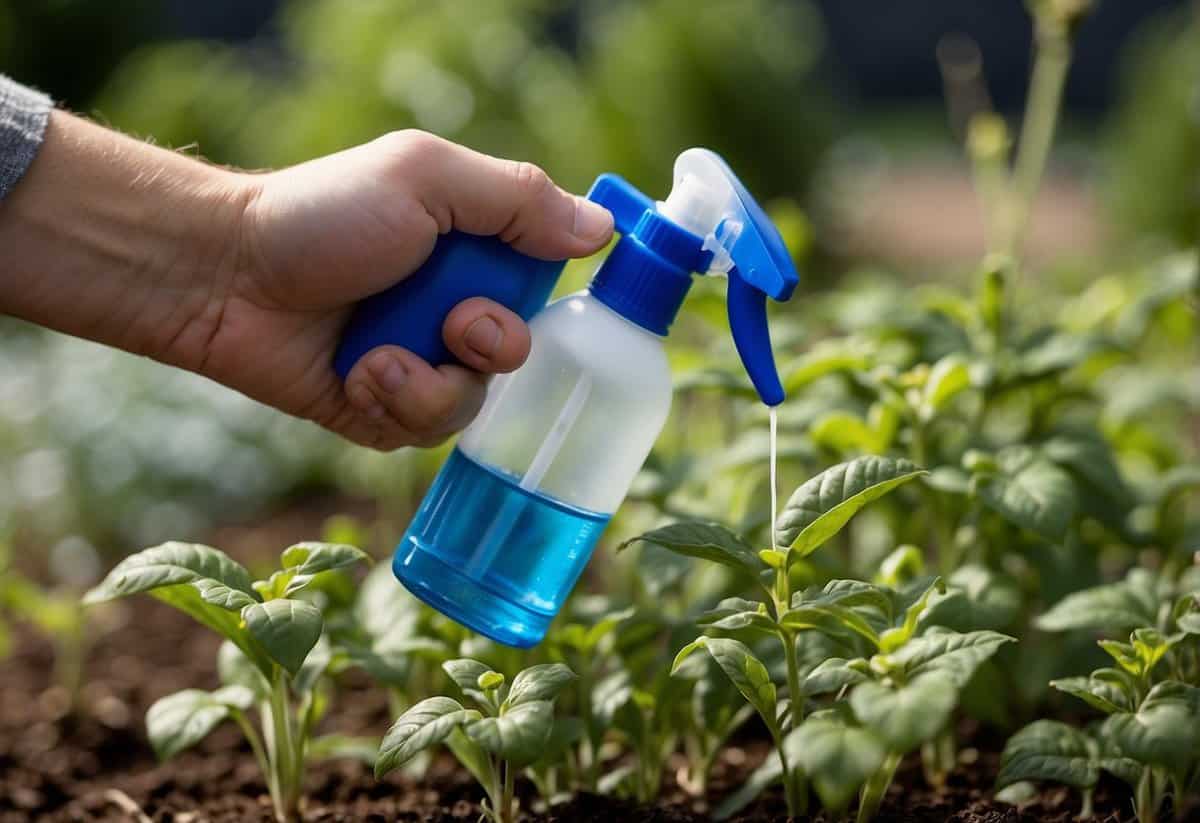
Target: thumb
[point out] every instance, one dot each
(517, 201)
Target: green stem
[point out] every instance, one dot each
(507, 811)
(795, 697)
(1037, 131)
(255, 743)
(1089, 807)
(285, 769)
(876, 787)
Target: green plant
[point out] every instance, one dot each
(274, 657)
(914, 677)
(513, 727)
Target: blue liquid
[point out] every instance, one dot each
(496, 558)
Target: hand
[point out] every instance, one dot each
(249, 278)
(321, 236)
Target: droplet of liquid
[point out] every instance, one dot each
(774, 485)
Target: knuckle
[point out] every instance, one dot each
(412, 146)
(530, 179)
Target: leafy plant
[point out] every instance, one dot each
(513, 727)
(273, 659)
(902, 685)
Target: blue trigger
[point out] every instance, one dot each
(747, 308)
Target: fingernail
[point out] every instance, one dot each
(484, 336)
(389, 374)
(591, 220)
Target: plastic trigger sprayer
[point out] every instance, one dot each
(513, 516)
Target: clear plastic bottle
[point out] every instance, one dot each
(511, 520)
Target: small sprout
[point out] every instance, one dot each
(490, 681)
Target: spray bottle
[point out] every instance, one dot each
(511, 520)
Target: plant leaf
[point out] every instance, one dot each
(286, 629)
(541, 682)
(1030, 492)
(907, 716)
(1049, 750)
(829, 619)
(426, 724)
(236, 669)
(820, 507)
(170, 564)
(180, 720)
(1109, 690)
(743, 669)
(519, 735)
(1163, 731)
(956, 655)
(837, 757)
(896, 637)
(466, 672)
(342, 747)
(1122, 606)
(976, 598)
(830, 676)
(705, 541)
(188, 600)
(948, 377)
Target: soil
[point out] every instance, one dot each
(93, 763)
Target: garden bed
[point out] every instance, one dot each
(96, 765)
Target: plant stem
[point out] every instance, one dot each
(1037, 131)
(795, 697)
(507, 812)
(285, 770)
(876, 788)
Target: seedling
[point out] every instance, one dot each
(1150, 737)
(273, 659)
(513, 727)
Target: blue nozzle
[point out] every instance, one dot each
(709, 223)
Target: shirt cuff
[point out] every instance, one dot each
(24, 113)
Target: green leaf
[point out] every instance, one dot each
(541, 682)
(839, 758)
(211, 571)
(948, 377)
(183, 719)
(824, 359)
(426, 724)
(1049, 750)
(187, 599)
(1125, 606)
(743, 669)
(823, 505)
(519, 735)
(1030, 492)
(956, 655)
(465, 673)
(705, 541)
(1164, 731)
(900, 566)
(829, 619)
(472, 757)
(905, 717)
(312, 558)
(742, 620)
(286, 629)
(831, 675)
(1109, 690)
(1088, 455)
(896, 637)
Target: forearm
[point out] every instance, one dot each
(112, 239)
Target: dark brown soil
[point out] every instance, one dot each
(94, 763)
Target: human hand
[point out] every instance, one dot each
(321, 236)
(249, 278)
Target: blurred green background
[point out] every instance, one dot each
(847, 117)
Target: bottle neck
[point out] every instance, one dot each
(646, 276)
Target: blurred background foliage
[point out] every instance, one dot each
(816, 104)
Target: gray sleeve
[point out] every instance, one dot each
(23, 117)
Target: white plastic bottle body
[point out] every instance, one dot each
(578, 419)
(512, 518)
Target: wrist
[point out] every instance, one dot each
(119, 241)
